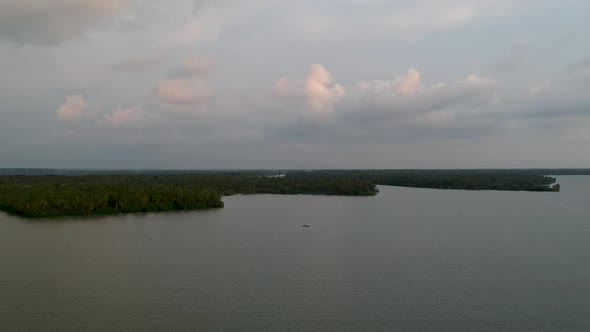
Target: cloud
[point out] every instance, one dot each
(51, 22)
(200, 5)
(183, 92)
(409, 84)
(192, 66)
(456, 15)
(406, 20)
(518, 58)
(318, 89)
(73, 108)
(540, 87)
(405, 93)
(439, 119)
(579, 66)
(197, 29)
(125, 117)
(284, 87)
(402, 108)
(474, 80)
(135, 64)
(321, 93)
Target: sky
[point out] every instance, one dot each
(225, 84)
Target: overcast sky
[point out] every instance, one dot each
(190, 84)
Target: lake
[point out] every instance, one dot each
(405, 260)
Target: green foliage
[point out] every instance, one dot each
(52, 196)
(470, 182)
(508, 180)
(62, 195)
(59, 195)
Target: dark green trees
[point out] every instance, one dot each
(61, 195)
(58, 195)
(50, 196)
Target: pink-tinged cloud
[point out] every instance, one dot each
(183, 92)
(428, 105)
(408, 85)
(318, 89)
(321, 93)
(284, 87)
(73, 108)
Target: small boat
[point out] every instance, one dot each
(306, 226)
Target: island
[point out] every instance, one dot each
(77, 193)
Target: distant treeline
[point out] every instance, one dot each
(62, 195)
(506, 180)
(254, 172)
(53, 196)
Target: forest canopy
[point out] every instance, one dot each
(128, 192)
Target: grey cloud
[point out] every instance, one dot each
(194, 116)
(48, 23)
(199, 5)
(183, 92)
(407, 20)
(582, 65)
(514, 61)
(135, 64)
(473, 108)
(555, 109)
(386, 128)
(377, 111)
(507, 66)
(193, 66)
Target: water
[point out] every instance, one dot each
(406, 260)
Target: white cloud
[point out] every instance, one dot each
(318, 89)
(405, 97)
(407, 85)
(50, 22)
(321, 93)
(73, 108)
(183, 92)
(474, 80)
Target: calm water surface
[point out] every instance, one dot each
(406, 260)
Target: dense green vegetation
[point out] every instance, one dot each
(512, 182)
(126, 192)
(51, 196)
(508, 180)
(59, 195)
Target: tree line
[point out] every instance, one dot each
(60, 195)
(504, 180)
